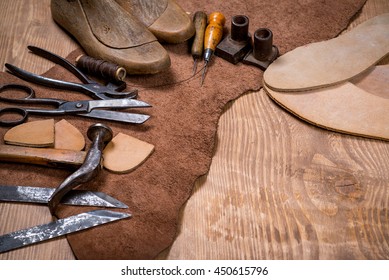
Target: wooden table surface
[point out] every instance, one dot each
(277, 188)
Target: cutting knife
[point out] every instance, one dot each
(58, 228)
(41, 195)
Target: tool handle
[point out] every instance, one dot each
(42, 156)
(200, 23)
(213, 33)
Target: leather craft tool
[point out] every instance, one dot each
(81, 108)
(263, 52)
(200, 23)
(40, 195)
(212, 37)
(100, 135)
(58, 228)
(236, 45)
(88, 86)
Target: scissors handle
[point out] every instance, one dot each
(23, 114)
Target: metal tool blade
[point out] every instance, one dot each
(117, 116)
(58, 228)
(41, 195)
(117, 104)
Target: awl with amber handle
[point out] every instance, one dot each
(200, 23)
(212, 37)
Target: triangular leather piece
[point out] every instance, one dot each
(68, 137)
(331, 62)
(344, 108)
(124, 153)
(32, 134)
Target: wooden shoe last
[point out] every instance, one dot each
(164, 18)
(107, 32)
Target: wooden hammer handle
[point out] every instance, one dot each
(42, 156)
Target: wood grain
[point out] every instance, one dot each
(277, 188)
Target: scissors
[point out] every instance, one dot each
(88, 86)
(89, 108)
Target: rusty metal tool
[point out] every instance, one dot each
(263, 52)
(41, 195)
(212, 37)
(200, 23)
(25, 237)
(237, 44)
(100, 135)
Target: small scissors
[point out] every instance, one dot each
(88, 86)
(80, 108)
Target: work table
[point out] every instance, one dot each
(334, 186)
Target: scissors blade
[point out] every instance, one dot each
(116, 116)
(116, 104)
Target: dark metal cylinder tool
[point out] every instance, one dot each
(236, 45)
(100, 135)
(264, 52)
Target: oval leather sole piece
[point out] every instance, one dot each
(331, 62)
(345, 108)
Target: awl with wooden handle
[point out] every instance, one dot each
(200, 23)
(212, 37)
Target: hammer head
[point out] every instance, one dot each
(100, 131)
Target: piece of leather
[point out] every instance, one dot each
(68, 137)
(125, 153)
(32, 134)
(344, 108)
(333, 61)
(182, 127)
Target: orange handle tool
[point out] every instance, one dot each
(213, 35)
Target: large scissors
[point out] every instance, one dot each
(89, 108)
(88, 86)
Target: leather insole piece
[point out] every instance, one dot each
(183, 126)
(32, 134)
(345, 108)
(68, 137)
(331, 62)
(124, 153)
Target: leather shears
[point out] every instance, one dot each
(84, 108)
(88, 86)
